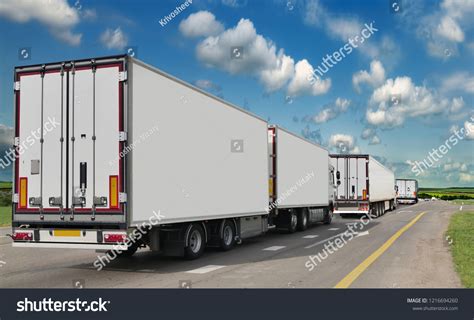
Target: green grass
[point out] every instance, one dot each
(5, 216)
(463, 193)
(5, 185)
(463, 202)
(461, 232)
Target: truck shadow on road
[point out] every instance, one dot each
(250, 251)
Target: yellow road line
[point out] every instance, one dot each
(354, 274)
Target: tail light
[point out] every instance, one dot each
(22, 236)
(364, 194)
(115, 237)
(363, 207)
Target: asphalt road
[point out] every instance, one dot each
(394, 251)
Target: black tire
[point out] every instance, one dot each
(196, 242)
(292, 222)
(328, 217)
(373, 212)
(303, 220)
(228, 236)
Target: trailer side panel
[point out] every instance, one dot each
(196, 157)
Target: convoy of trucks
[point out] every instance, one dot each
(407, 191)
(131, 141)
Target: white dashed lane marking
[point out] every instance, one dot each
(205, 269)
(310, 236)
(333, 229)
(274, 248)
(323, 241)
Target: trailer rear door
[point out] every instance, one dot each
(68, 124)
(353, 172)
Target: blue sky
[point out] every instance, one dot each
(402, 92)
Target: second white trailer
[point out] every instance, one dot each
(301, 180)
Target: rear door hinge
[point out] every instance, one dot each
(15, 198)
(16, 86)
(16, 141)
(122, 197)
(122, 76)
(122, 136)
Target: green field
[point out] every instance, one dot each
(461, 234)
(5, 185)
(464, 202)
(446, 193)
(5, 216)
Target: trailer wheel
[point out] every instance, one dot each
(195, 240)
(328, 217)
(293, 222)
(303, 220)
(228, 236)
(373, 211)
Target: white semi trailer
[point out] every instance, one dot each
(364, 185)
(407, 191)
(136, 157)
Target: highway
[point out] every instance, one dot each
(405, 248)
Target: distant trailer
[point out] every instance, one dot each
(364, 186)
(407, 191)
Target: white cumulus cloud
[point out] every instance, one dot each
(398, 99)
(200, 24)
(57, 15)
(259, 57)
(331, 111)
(375, 77)
(304, 83)
(114, 39)
(449, 29)
(459, 81)
(343, 143)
